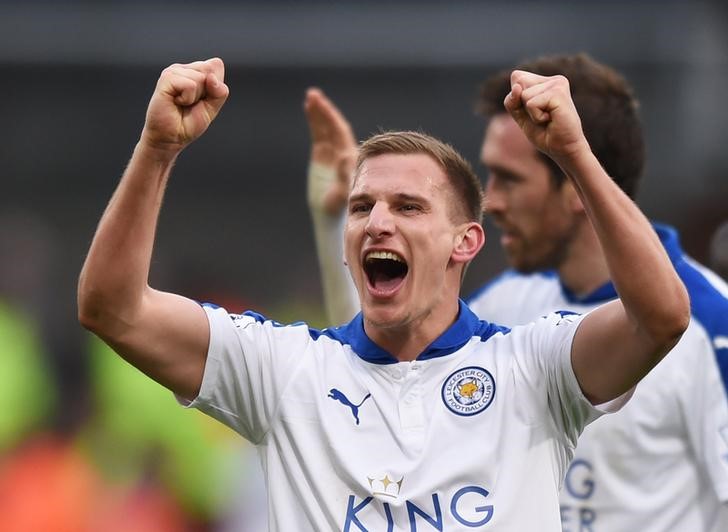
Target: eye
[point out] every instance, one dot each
(503, 177)
(359, 207)
(410, 207)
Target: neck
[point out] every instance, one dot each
(406, 341)
(584, 269)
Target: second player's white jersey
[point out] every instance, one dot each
(476, 434)
(661, 463)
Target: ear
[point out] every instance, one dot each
(468, 242)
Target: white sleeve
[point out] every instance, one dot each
(340, 297)
(704, 406)
(545, 366)
(250, 361)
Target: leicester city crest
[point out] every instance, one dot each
(468, 391)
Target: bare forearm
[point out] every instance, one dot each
(340, 296)
(115, 273)
(640, 269)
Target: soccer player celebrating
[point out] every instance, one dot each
(557, 264)
(415, 415)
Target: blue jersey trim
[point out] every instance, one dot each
(602, 294)
(707, 305)
(458, 334)
(710, 308)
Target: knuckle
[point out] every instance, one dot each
(562, 80)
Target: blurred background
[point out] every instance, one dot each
(101, 442)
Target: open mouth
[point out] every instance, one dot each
(385, 270)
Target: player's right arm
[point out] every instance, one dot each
(618, 343)
(163, 334)
(333, 155)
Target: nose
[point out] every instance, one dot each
(493, 198)
(380, 222)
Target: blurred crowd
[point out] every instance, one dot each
(87, 442)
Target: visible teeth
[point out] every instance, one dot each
(383, 255)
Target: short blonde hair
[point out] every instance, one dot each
(465, 184)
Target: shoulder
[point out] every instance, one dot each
(708, 292)
(251, 323)
(708, 296)
(709, 309)
(554, 328)
(511, 279)
(513, 298)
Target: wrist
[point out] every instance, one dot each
(321, 178)
(160, 153)
(577, 159)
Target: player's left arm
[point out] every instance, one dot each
(619, 343)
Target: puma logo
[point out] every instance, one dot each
(336, 395)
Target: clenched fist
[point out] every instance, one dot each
(186, 100)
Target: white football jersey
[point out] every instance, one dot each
(661, 463)
(476, 433)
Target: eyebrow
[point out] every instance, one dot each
(501, 171)
(399, 196)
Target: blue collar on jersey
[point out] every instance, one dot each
(669, 238)
(458, 334)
